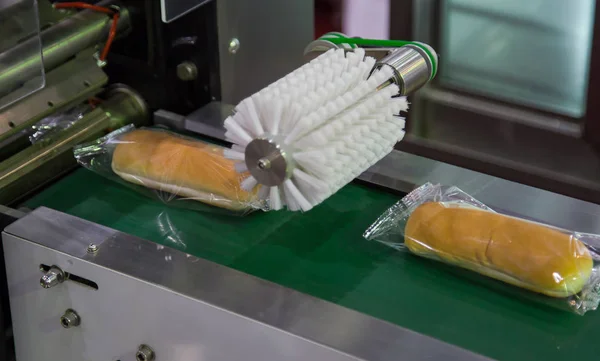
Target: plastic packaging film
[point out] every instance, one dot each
(54, 123)
(178, 170)
(552, 265)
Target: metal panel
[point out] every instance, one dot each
(183, 307)
(272, 35)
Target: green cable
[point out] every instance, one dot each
(340, 39)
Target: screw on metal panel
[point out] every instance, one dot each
(92, 248)
(53, 277)
(187, 71)
(144, 353)
(70, 319)
(234, 45)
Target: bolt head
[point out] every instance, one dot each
(70, 319)
(187, 71)
(92, 248)
(234, 45)
(145, 353)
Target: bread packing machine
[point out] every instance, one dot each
(95, 271)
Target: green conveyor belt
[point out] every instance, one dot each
(323, 254)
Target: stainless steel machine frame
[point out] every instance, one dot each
(205, 311)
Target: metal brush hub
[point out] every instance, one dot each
(412, 67)
(267, 161)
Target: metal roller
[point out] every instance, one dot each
(41, 162)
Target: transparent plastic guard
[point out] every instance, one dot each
(550, 265)
(21, 62)
(179, 171)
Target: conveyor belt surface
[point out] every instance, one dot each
(322, 253)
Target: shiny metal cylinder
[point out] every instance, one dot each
(46, 160)
(60, 42)
(412, 68)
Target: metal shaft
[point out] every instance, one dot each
(43, 161)
(60, 42)
(411, 65)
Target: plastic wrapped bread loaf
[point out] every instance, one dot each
(177, 168)
(519, 252)
(447, 225)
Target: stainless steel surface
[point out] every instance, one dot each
(192, 309)
(44, 161)
(60, 42)
(404, 171)
(269, 163)
(502, 111)
(411, 65)
(76, 80)
(70, 319)
(273, 35)
(92, 248)
(145, 353)
(187, 71)
(53, 277)
(207, 120)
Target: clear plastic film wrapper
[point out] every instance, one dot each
(55, 123)
(551, 265)
(180, 171)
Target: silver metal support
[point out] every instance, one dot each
(192, 309)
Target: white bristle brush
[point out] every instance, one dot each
(316, 129)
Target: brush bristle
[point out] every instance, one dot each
(332, 118)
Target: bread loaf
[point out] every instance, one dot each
(187, 168)
(522, 253)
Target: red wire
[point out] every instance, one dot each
(113, 28)
(82, 5)
(111, 36)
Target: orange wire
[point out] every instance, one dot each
(82, 5)
(111, 36)
(113, 28)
